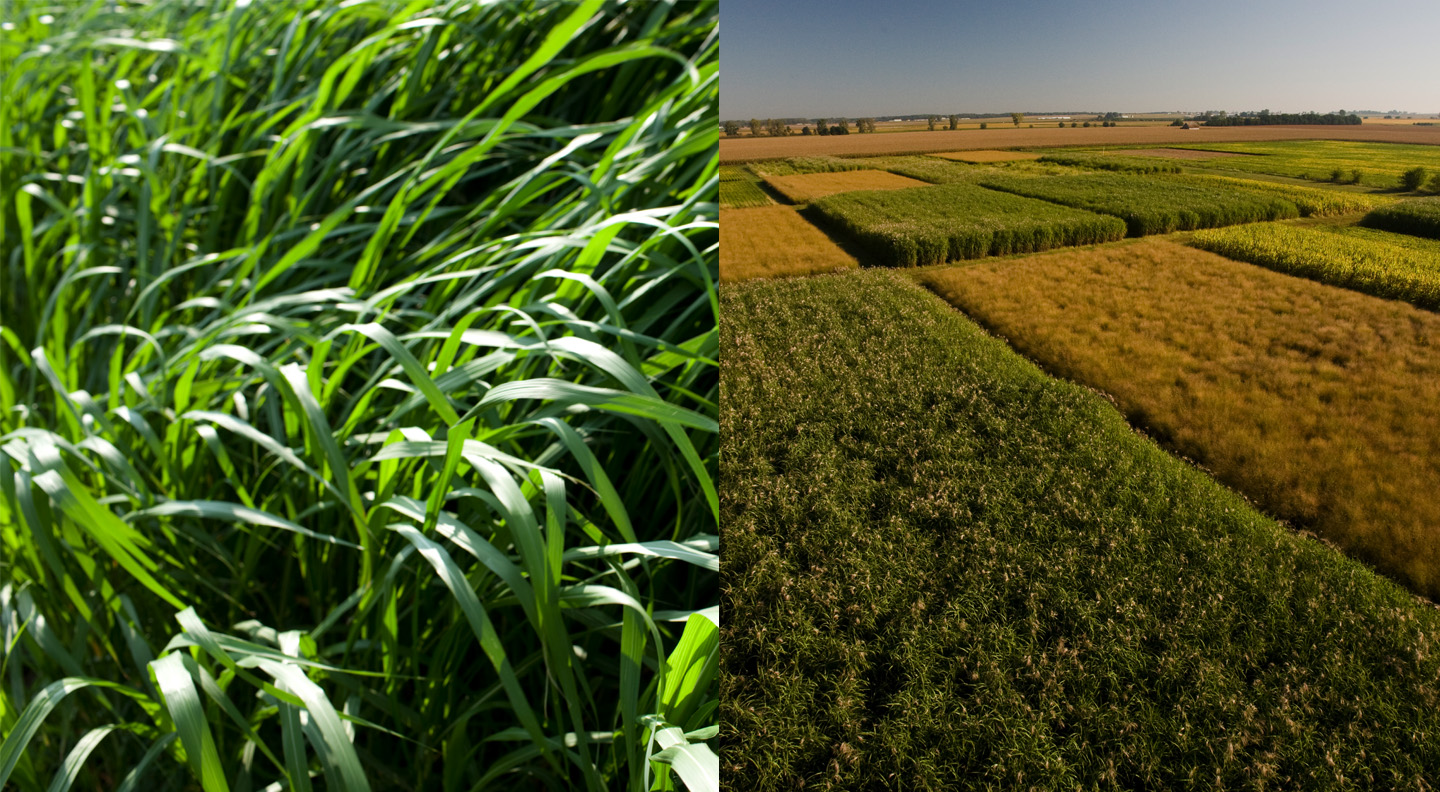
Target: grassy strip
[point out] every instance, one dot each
(931, 225)
(1370, 265)
(795, 166)
(357, 394)
(942, 564)
(1141, 165)
(1311, 201)
(773, 241)
(1418, 217)
(1150, 206)
(1313, 400)
(740, 189)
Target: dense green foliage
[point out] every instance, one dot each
(1311, 201)
(931, 225)
(1372, 265)
(1420, 217)
(944, 568)
(1148, 205)
(1112, 163)
(795, 166)
(358, 395)
(927, 169)
(739, 188)
(1267, 118)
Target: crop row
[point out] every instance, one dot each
(1311, 201)
(794, 166)
(1374, 266)
(1420, 217)
(1150, 205)
(942, 564)
(931, 225)
(739, 188)
(1141, 165)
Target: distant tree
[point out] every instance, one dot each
(777, 127)
(1073, 125)
(1017, 118)
(1412, 179)
(954, 122)
(1062, 124)
(932, 121)
(984, 125)
(1087, 124)
(822, 127)
(1337, 175)
(732, 128)
(805, 130)
(842, 128)
(754, 127)
(1356, 174)
(1433, 186)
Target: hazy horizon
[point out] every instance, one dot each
(808, 59)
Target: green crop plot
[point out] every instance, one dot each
(1142, 165)
(740, 189)
(1311, 201)
(942, 564)
(931, 225)
(358, 395)
(1376, 164)
(1418, 217)
(1379, 263)
(795, 166)
(1150, 205)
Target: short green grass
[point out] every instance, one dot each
(942, 564)
(1150, 205)
(931, 225)
(358, 395)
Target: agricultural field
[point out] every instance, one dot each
(1382, 264)
(982, 156)
(927, 169)
(739, 188)
(1109, 162)
(794, 166)
(1173, 153)
(775, 241)
(806, 187)
(1378, 166)
(1314, 401)
(1150, 205)
(943, 564)
(932, 225)
(358, 396)
(1311, 201)
(1417, 217)
(748, 149)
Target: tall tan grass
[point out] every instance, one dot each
(773, 241)
(806, 187)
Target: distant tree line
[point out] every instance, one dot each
(780, 127)
(1267, 118)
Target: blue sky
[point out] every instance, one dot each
(810, 58)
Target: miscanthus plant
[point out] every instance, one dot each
(358, 395)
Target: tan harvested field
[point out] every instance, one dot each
(1173, 153)
(771, 241)
(986, 155)
(806, 187)
(744, 149)
(1315, 401)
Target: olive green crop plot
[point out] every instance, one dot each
(1150, 205)
(1418, 217)
(1378, 263)
(1316, 401)
(931, 225)
(1311, 201)
(944, 568)
(1377, 164)
(740, 189)
(1119, 164)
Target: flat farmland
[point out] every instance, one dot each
(932, 225)
(1334, 160)
(983, 155)
(739, 188)
(747, 149)
(806, 187)
(1150, 205)
(774, 241)
(943, 564)
(1315, 401)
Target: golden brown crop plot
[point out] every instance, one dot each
(771, 241)
(986, 155)
(1315, 401)
(806, 187)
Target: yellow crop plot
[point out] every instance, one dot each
(772, 241)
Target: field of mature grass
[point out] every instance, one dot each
(932, 225)
(1314, 401)
(943, 566)
(775, 241)
(747, 149)
(740, 189)
(806, 187)
(926, 169)
(1318, 160)
(1150, 205)
(1382, 264)
(1109, 162)
(1417, 217)
(358, 396)
(1311, 201)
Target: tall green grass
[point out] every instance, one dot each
(932, 225)
(358, 395)
(1119, 164)
(1418, 217)
(945, 569)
